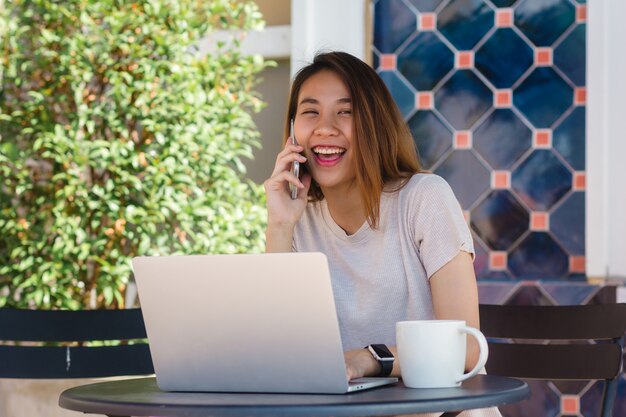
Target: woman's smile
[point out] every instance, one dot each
(328, 155)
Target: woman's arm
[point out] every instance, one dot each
(455, 297)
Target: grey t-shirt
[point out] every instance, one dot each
(382, 276)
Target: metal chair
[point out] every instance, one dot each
(39, 344)
(557, 343)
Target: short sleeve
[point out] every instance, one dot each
(440, 231)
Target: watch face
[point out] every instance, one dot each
(382, 351)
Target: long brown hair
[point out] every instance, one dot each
(385, 150)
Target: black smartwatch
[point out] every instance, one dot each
(384, 357)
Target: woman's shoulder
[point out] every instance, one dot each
(425, 190)
(425, 183)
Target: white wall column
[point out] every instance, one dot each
(327, 25)
(606, 140)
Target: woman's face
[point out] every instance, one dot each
(323, 126)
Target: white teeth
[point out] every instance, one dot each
(328, 151)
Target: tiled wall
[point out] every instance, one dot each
(494, 93)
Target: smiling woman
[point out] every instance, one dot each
(397, 242)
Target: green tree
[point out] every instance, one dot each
(117, 139)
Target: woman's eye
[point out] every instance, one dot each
(347, 111)
(309, 112)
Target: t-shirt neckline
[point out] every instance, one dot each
(360, 235)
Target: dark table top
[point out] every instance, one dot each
(142, 397)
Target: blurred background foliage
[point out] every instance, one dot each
(117, 139)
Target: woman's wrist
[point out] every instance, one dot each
(373, 366)
(278, 237)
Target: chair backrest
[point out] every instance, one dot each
(51, 343)
(557, 343)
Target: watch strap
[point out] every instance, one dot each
(385, 358)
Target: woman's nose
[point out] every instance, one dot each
(326, 126)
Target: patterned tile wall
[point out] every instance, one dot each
(494, 94)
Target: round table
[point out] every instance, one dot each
(142, 397)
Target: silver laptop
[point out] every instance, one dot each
(244, 323)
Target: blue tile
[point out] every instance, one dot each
(567, 226)
(503, 3)
(539, 257)
(463, 99)
(605, 295)
(619, 408)
(465, 22)
(541, 180)
(432, 137)
(496, 276)
(568, 139)
(591, 400)
(425, 5)
(394, 22)
(402, 94)
(570, 293)
(543, 403)
(425, 61)
(543, 97)
(502, 139)
(504, 58)
(577, 277)
(467, 176)
(494, 292)
(543, 21)
(529, 295)
(375, 60)
(571, 57)
(570, 387)
(499, 220)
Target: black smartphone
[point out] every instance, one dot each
(295, 166)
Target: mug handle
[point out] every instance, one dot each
(484, 351)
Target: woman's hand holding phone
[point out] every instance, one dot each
(283, 212)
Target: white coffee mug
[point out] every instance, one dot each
(431, 353)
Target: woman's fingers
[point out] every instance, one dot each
(277, 181)
(286, 157)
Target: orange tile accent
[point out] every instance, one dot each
(580, 96)
(504, 18)
(577, 264)
(539, 221)
(463, 139)
(542, 139)
(580, 181)
(543, 56)
(504, 98)
(581, 13)
(424, 100)
(465, 59)
(427, 21)
(500, 180)
(497, 260)
(388, 62)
